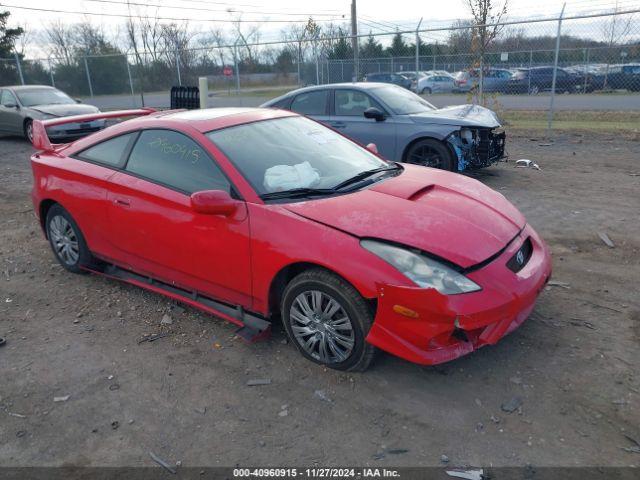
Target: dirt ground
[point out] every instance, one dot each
(574, 363)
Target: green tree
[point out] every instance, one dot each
(8, 35)
(398, 47)
(284, 61)
(371, 48)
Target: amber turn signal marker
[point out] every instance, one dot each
(407, 312)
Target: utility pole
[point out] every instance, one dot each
(354, 41)
(418, 53)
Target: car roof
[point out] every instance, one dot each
(208, 119)
(29, 87)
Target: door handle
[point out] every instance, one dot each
(122, 202)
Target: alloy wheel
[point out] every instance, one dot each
(30, 131)
(425, 156)
(322, 327)
(64, 240)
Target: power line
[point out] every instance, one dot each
(230, 9)
(226, 20)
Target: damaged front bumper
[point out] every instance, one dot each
(441, 327)
(477, 147)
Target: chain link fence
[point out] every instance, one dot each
(578, 55)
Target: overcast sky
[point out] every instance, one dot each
(374, 15)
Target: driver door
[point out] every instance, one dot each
(155, 231)
(348, 118)
(10, 119)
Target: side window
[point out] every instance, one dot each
(353, 103)
(111, 152)
(6, 98)
(174, 160)
(311, 103)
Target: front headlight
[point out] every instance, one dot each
(423, 271)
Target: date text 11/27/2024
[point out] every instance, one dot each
(315, 473)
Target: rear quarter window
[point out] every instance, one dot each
(111, 153)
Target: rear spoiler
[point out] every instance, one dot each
(41, 139)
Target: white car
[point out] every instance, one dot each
(435, 83)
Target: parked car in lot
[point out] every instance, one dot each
(539, 79)
(393, 78)
(435, 83)
(261, 214)
(21, 105)
(625, 77)
(494, 80)
(404, 126)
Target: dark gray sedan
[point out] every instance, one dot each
(404, 126)
(20, 105)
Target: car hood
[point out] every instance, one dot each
(463, 115)
(65, 110)
(442, 213)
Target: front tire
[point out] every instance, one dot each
(28, 130)
(327, 320)
(66, 240)
(430, 153)
(426, 91)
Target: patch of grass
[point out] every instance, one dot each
(600, 121)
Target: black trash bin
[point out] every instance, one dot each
(185, 97)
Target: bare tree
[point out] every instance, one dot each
(296, 36)
(246, 36)
(60, 42)
(615, 30)
(487, 15)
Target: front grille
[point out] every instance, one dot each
(521, 257)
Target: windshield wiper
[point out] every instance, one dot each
(365, 174)
(297, 193)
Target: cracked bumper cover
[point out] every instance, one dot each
(449, 326)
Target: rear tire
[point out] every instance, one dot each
(66, 240)
(426, 91)
(430, 153)
(327, 320)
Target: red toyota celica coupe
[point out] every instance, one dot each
(255, 215)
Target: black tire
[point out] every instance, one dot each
(534, 90)
(64, 234)
(28, 130)
(430, 153)
(426, 91)
(353, 308)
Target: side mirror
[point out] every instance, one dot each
(213, 202)
(11, 105)
(372, 148)
(373, 112)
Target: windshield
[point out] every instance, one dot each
(46, 96)
(291, 153)
(402, 101)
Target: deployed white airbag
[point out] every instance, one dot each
(287, 177)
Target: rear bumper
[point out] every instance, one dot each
(450, 326)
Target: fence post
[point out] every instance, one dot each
(236, 66)
(555, 70)
(586, 63)
(342, 70)
(418, 51)
(53, 82)
(86, 69)
(19, 67)
(133, 95)
(177, 54)
(529, 76)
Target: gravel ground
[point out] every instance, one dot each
(572, 365)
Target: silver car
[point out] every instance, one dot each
(435, 83)
(20, 105)
(404, 126)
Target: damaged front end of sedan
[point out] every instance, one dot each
(477, 147)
